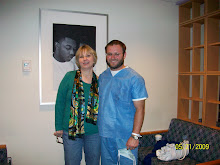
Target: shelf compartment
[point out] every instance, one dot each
(213, 41)
(184, 86)
(191, 52)
(184, 107)
(197, 87)
(184, 55)
(198, 60)
(196, 111)
(198, 8)
(189, 23)
(190, 110)
(211, 114)
(190, 102)
(213, 58)
(198, 35)
(212, 5)
(198, 45)
(190, 10)
(213, 30)
(185, 12)
(213, 89)
(185, 60)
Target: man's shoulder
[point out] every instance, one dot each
(132, 73)
(104, 73)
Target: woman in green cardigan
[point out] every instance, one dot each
(76, 110)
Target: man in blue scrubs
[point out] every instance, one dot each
(122, 95)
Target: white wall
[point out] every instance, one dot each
(149, 28)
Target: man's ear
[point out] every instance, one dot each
(57, 45)
(124, 55)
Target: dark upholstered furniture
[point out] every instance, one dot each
(195, 133)
(4, 160)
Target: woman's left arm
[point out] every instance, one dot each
(61, 102)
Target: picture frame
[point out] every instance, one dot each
(49, 17)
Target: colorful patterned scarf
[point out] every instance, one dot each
(77, 112)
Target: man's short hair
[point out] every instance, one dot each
(116, 42)
(62, 31)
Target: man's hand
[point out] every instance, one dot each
(58, 133)
(138, 121)
(132, 143)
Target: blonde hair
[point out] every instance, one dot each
(87, 49)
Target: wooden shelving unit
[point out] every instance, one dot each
(199, 62)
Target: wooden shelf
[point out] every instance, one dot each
(213, 102)
(189, 23)
(198, 99)
(191, 73)
(192, 99)
(195, 47)
(217, 73)
(186, 98)
(200, 19)
(199, 61)
(199, 46)
(215, 14)
(215, 44)
(189, 48)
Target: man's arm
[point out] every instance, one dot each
(138, 122)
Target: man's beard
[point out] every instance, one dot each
(120, 63)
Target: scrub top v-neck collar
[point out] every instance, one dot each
(113, 73)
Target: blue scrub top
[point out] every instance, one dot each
(116, 108)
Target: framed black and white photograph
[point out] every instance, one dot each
(61, 33)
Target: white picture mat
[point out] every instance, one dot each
(47, 18)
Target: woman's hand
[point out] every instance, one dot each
(58, 133)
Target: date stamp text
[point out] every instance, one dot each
(192, 146)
